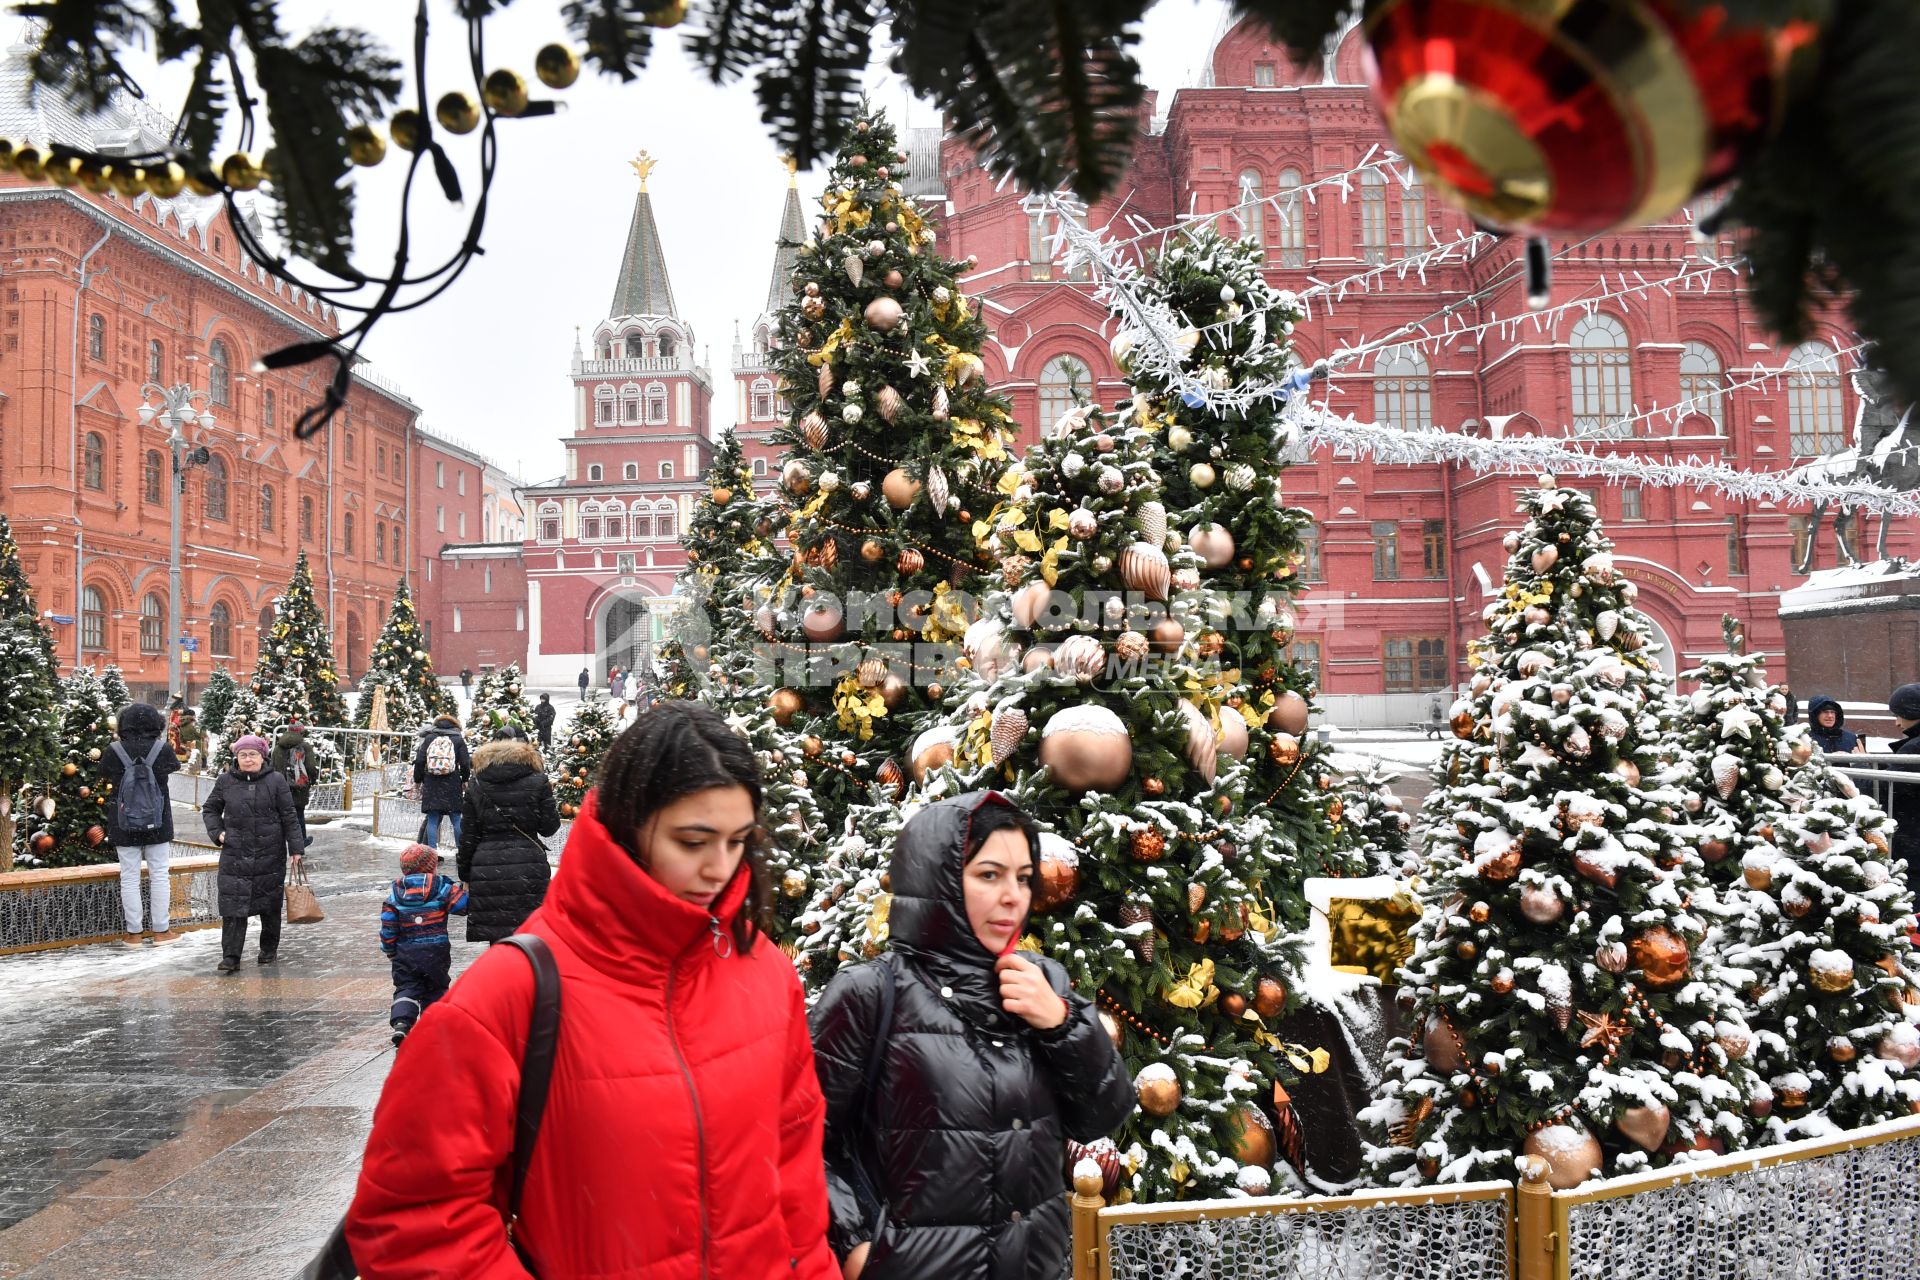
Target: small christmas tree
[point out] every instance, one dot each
(244, 715)
(1813, 917)
(296, 650)
(577, 753)
(113, 687)
(401, 665)
(1564, 1004)
(499, 702)
(216, 699)
(1378, 820)
(29, 700)
(68, 826)
(843, 918)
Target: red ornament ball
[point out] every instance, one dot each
(1575, 117)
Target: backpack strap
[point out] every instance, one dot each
(536, 1066)
(126, 761)
(153, 752)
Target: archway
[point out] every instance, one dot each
(1669, 659)
(626, 634)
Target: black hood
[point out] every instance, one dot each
(1822, 703)
(927, 920)
(139, 720)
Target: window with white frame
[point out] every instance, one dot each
(460, 481)
(1060, 378)
(1373, 216)
(1250, 215)
(762, 399)
(1403, 390)
(759, 466)
(1291, 235)
(666, 521)
(656, 403)
(456, 619)
(593, 471)
(1602, 376)
(549, 522)
(1702, 384)
(642, 522)
(603, 406)
(616, 525)
(631, 471)
(666, 471)
(1413, 214)
(630, 405)
(1813, 401)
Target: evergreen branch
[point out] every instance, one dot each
(737, 34)
(79, 49)
(1305, 26)
(616, 33)
(814, 87)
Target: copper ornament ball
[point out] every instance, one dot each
(1661, 955)
(1233, 1004)
(786, 704)
(1252, 1142)
(1269, 998)
(1158, 1096)
(1572, 1154)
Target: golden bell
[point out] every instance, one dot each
(671, 14)
(241, 172)
(505, 92)
(163, 180)
(457, 113)
(408, 129)
(365, 146)
(557, 66)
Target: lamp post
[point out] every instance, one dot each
(172, 408)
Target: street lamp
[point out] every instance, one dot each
(172, 409)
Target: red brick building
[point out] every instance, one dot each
(101, 295)
(1404, 557)
(469, 578)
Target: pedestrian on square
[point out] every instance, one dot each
(251, 816)
(508, 807)
(466, 682)
(140, 816)
(586, 678)
(441, 766)
(189, 739)
(1828, 721)
(413, 933)
(1793, 703)
(290, 759)
(948, 1161)
(543, 721)
(1903, 803)
(681, 1135)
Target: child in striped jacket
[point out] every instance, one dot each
(413, 933)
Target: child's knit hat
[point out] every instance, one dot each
(419, 860)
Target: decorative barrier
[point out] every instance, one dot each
(1839, 1208)
(67, 906)
(397, 816)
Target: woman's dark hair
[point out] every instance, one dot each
(673, 751)
(992, 817)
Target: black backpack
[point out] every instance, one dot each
(143, 804)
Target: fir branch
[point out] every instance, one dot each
(1306, 27)
(813, 89)
(616, 33)
(737, 35)
(79, 50)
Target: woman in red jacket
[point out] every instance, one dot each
(683, 1126)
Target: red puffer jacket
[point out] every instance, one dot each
(683, 1128)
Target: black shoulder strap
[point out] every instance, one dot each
(877, 1047)
(536, 1067)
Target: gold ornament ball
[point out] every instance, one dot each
(793, 883)
(900, 489)
(1662, 956)
(69, 769)
(1252, 1141)
(241, 172)
(1159, 1095)
(1289, 714)
(1115, 1031)
(786, 704)
(165, 180)
(557, 66)
(1572, 1154)
(884, 314)
(1269, 998)
(671, 14)
(457, 113)
(408, 129)
(365, 146)
(93, 753)
(1479, 912)
(504, 91)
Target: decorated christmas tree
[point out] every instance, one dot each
(113, 687)
(577, 753)
(892, 445)
(1563, 1002)
(499, 701)
(1220, 466)
(798, 842)
(401, 665)
(65, 823)
(1378, 819)
(29, 710)
(296, 651)
(1813, 918)
(842, 917)
(216, 699)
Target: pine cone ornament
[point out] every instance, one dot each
(1153, 523)
(890, 402)
(1134, 913)
(1726, 775)
(1009, 729)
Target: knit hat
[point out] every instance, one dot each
(252, 742)
(1905, 701)
(419, 860)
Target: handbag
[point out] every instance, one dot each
(303, 905)
(335, 1260)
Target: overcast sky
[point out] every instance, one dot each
(487, 361)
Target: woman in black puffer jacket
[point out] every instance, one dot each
(251, 816)
(508, 806)
(992, 1062)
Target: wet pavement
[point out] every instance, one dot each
(160, 1120)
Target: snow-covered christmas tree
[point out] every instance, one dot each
(1564, 1005)
(217, 699)
(297, 651)
(1378, 820)
(1813, 918)
(401, 665)
(65, 823)
(577, 752)
(113, 687)
(29, 703)
(499, 701)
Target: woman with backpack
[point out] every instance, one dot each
(140, 816)
(681, 1131)
(290, 760)
(509, 806)
(946, 1137)
(251, 816)
(441, 766)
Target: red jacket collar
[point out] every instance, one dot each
(618, 917)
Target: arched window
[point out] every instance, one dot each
(93, 462)
(1060, 378)
(1403, 390)
(153, 470)
(1373, 216)
(666, 471)
(590, 522)
(1252, 221)
(642, 522)
(1292, 212)
(354, 639)
(219, 373)
(266, 508)
(759, 466)
(1813, 401)
(379, 459)
(379, 542)
(306, 518)
(153, 623)
(220, 630)
(93, 619)
(96, 337)
(666, 346)
(1602, 376)
(656, 403)
(346, 532)
(593, 471)
(1702, 387)
(156, 360)
(215, 489)
(549, 522)
(762, 400)
(636, 346)
(1413, 214)
(615, 527)
(349, 445)
(268, 409)
(630, 404)
(666, 521)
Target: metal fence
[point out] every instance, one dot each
(71, 905)
(397, 816)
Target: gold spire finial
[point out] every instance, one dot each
(643, 164)
(793, 169)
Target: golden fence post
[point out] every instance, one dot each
(1533, 1242)
(376, 812)
(1086, 1224)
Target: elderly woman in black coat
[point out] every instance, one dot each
(508, 807)
(991, 1063)
(252, 817)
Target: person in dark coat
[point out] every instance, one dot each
(1828, 722)
(140, 727)
(292, 759)
(543, 721)
(509, 806)
(586, 678)
(252, 817)
(440, 792)
(1903, 803)
(992, 1062)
